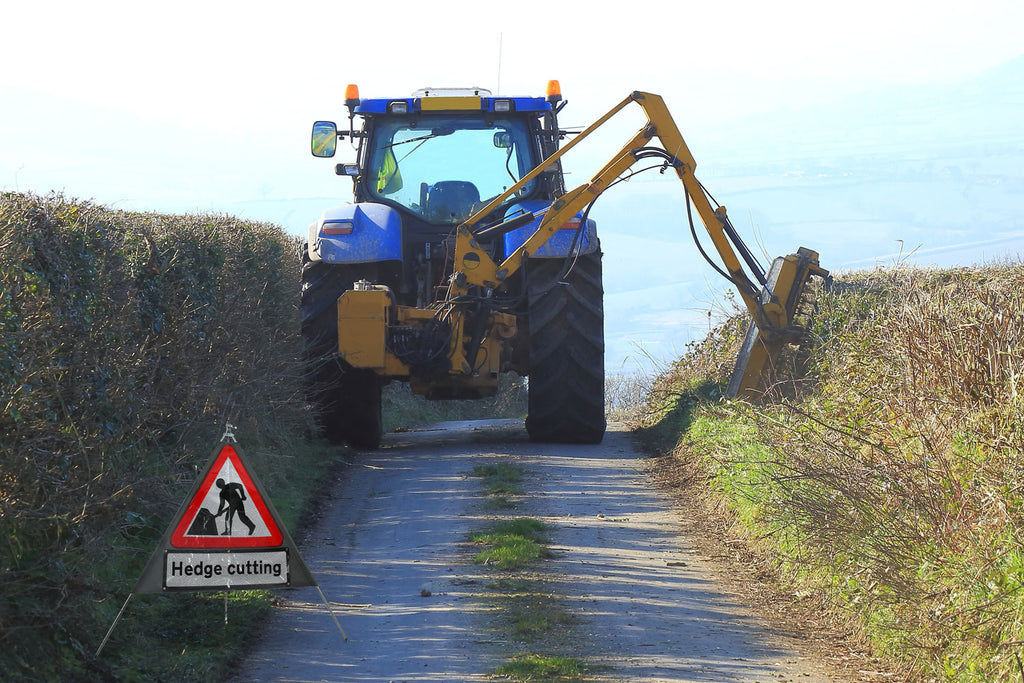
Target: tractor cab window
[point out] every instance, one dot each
(446, 167)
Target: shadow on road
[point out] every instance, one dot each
(391, 552)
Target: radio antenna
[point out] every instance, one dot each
(498, 89)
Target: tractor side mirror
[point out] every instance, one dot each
(324, 141)
(503, 140)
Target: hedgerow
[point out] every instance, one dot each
(890, 482)
(128, 341)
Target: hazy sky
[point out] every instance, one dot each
(125, 101)
(187, 60)
(206, 106)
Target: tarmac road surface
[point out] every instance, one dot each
(391, 554)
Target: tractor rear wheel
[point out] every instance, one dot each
(566, 350)
(347, 400)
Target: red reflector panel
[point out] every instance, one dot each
(571, 224)
(336, 228)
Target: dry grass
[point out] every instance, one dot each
(894, 486)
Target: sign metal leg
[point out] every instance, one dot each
(328, 605)
(111, 629)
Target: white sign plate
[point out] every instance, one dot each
(206, 570)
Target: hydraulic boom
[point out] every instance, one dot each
(442, 275)
(771, 298)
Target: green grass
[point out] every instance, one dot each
(885, 477)
(534, 616)
(184, 636)
(510, 585)
(501, 479)
(534, 667)
(512, 544)
(524, 610)
(500, 503)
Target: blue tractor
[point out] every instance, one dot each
(401, 285)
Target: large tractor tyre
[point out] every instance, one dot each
(347, 400)
(566, 350)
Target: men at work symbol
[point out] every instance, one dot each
(231, 497)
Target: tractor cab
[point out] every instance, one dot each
(441, 154)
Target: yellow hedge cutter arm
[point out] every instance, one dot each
(770, 298)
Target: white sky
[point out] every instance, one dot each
(204, 106)
(240, 82)
(222, 63)
(201, 63)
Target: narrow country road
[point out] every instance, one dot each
(391, 553)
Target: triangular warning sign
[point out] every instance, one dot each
(225, 535)
(227, 510)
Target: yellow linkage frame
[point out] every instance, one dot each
(771, 308)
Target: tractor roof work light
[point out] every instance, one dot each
(502, 105)
(554, 92)
(351, 95)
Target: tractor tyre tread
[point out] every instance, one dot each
(566, 324)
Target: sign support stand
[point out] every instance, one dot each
(328, 606)
(195, 555)
(112, 626)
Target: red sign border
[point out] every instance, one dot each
(180, 540)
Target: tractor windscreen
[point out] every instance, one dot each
(446, 167)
